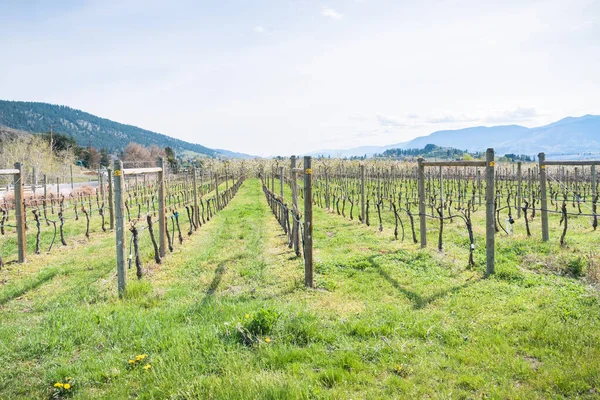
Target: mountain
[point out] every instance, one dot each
(88, 129)
(571, 136)
(233, 154)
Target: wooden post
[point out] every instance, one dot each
(20, 213)
(327, 202)
(490, 230)
(71, 165)
(295, 235)
(33, 181)
(479, 185)
(421, 187)
(101, 183)
(594, 181)
(119, 205)
(196, 216)
(442, 191)
(281, 182)
(57, 186)
(111, 209)
(362, 193)
(545, 231)
(45, 201)
(162, 221)
(308, 224)
(217, 189)
(519, 189)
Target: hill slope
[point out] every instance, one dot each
(87, 128)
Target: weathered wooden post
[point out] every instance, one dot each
(296, 227)
(162, 215)
(57, 186)
(217, 190)
(545, 231)
(327, 200)
(71, 165)
(421, 188)
(519, 189)
(281, 182)
(479, 185)
(33, 181)
(45, 200)
(362, 193)
(594, 181)
(308, 224)
(490, 230)
(111, 209)
(194, 180)
(20, 213)
(120, 227)
(441, 191)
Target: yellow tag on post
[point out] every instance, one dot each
(117, 172)
(308, 171)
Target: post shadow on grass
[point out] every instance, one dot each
(31, 284)
(418, 301)
(212, 288)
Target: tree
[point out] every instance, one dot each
(171, 159)
(104, 157)
(90, 158)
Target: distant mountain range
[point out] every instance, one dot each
(88, 129)
(571, 136)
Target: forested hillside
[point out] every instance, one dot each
(85, 128)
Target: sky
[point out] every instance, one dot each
(288, 77)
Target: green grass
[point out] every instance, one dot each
(226, 316)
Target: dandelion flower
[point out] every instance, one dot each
(131, 361)
(69, 378)
(58, 385)
(141, 357)
(67, 386)
(147, 366)
(268, 340)
(247, 316)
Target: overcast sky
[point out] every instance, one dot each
(287, 77)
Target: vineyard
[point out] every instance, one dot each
(304, 278)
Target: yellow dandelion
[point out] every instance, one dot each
(268, 340)
(141, 357)
(69, 378)
(67, 386)
(247, 316)
(147, 366)
(131, 361)
(58, 385)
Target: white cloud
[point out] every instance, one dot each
(389, 121)
(517, 114)
(331, 13)
(259, 29)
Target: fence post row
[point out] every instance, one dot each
(544, 178)
(119, 206)
(489, 164)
